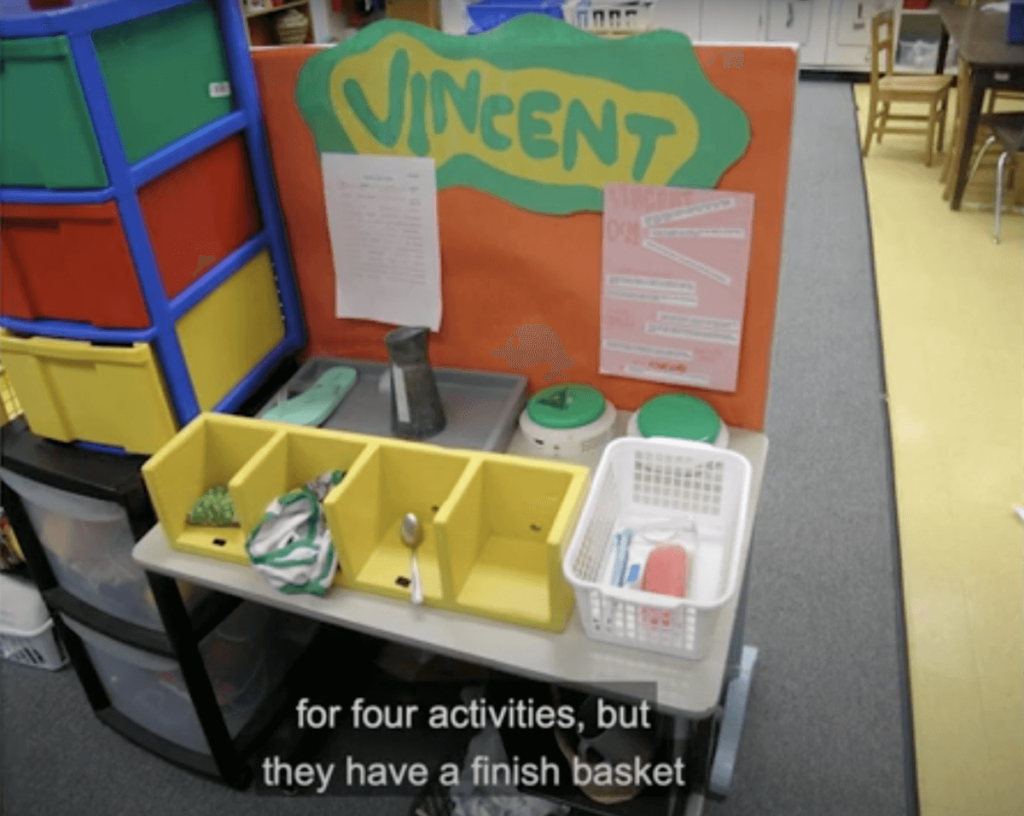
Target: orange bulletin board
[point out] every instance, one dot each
(504, 267)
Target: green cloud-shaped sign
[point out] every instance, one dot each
(535, 111)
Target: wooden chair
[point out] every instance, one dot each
(888, 87)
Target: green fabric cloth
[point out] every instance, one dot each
(292, 546)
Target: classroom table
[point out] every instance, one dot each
(992, 62)
(687, 690)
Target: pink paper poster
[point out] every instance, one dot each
(674, 284)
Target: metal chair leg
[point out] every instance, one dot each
(991, 140)
(1000, 172)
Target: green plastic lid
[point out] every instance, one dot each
(678, 416)
(565, 406)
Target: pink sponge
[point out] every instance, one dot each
(667, 571)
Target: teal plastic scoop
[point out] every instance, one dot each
(314, 405)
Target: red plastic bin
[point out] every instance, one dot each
(199, 212)
(68, 262)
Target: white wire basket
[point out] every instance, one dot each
(698, 495)
(39, 648)
(609, 16)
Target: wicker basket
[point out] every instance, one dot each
(292, 27)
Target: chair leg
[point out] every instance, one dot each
(883, 120)
(951, 154)
(990, 107)
(870, 129)
(1000, 171)
(943, 114)
(991, 140)
(932, 121)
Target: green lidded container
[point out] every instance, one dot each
(679, 416)
(46, 135)
(565, 406)
(166, 75)
(571, 421)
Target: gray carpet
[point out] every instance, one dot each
(827, 729)
(826, 732)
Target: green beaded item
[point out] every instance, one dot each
(213, 509)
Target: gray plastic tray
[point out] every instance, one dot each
(482, 407)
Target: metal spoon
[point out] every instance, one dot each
(412, 535)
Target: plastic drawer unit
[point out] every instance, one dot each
(88, 544)
(78, 514)
(146, 274)
(45, 127)
(245, 658)
(68, 262)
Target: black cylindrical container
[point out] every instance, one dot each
(416, 409)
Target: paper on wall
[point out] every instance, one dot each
(674, 284)
(382, 219)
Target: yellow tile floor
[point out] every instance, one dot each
(951, 305)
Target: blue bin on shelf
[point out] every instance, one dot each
(1015, 23)
(487, 14)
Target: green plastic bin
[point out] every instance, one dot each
(46, 136)
(166, 75)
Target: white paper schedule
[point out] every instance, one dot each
(382, 219)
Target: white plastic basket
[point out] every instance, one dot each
(670, 484)
(609, 16)
(39, 648)
(26, 630)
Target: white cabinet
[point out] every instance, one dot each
(678, 15)
(852, 23)
(789, 20)
(850, 43)
(733, 20)
(804, 22)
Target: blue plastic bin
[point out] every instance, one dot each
(1015, 23)
(487, 14)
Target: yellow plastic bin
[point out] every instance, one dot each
(365, 511)
(503, 537)
(210, 451)
(72, 390)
